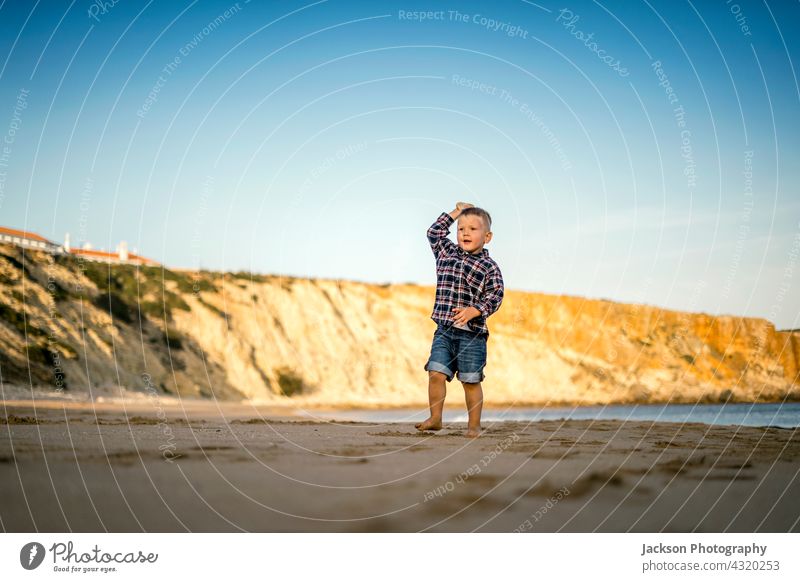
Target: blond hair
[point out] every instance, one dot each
(475, 211)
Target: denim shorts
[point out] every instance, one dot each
(458, 350)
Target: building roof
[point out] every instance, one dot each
(132, 257)
(24, 234)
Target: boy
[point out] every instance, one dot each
(469, 288)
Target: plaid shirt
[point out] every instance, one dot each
(463, 279)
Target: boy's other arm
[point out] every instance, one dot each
(493, 294)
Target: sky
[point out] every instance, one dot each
(641, 152)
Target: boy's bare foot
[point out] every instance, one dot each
(429, 424)
(473, 432)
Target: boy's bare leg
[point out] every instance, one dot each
(437, 390)
(474, 396)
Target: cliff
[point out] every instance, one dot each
(76, 326)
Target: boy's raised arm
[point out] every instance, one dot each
(438, 231)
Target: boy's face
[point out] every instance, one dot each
(472, 233)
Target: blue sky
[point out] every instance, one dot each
(321, 139)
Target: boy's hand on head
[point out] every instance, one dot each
(462, 315)
(460, 207)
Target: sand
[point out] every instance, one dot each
(129, 467)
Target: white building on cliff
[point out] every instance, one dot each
(31, 240)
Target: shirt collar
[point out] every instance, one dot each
(484, 252)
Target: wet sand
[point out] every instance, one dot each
(229, 467)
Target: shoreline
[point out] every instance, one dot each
(455, 401)
(176, 407)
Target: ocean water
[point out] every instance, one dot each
(777, 415)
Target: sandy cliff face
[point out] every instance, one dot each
(80, 326)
